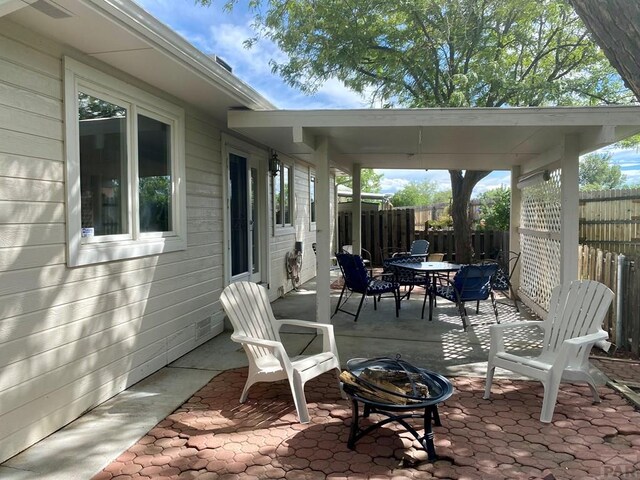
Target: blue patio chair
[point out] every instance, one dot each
(501, 281)
(419, 247)
(470, 283)
(405, 278)
(358, 280)
(365, 254)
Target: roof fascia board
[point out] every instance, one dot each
(526, 116)
(489, 161)
(162, 38)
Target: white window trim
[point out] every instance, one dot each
(282, 228)
(312, 185)
(134, 244)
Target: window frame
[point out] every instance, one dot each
(312, 199)
(104, 248)
(283, 225)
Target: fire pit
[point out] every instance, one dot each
(395, 389)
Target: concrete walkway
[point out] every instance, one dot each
(92, 442)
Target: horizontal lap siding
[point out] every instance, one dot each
(72, 338)
(302, 230)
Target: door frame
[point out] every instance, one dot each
(253, 154)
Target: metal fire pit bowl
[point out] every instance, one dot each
(385, 385)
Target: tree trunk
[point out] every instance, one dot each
(461, 188)
(615, 25)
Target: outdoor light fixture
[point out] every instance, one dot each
(532, 179)
(274, 164)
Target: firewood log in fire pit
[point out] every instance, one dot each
(388, 386)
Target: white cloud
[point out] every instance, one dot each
(221, 33)
(254, 68)
(392, 185)
(396, 179)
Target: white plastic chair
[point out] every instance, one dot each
(254, 326)
(572, 327)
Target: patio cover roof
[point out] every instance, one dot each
(461, 138)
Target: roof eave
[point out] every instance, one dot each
(161, 37)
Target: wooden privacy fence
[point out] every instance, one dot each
(425, 214)
(485, 243)
(618, 272)
(381, 231)
(394, 230)
(610, 220)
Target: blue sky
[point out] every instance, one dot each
(215, 31)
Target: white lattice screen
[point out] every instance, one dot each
(540, 222)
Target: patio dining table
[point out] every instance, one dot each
(430, 269)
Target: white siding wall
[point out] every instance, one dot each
(284, 238)
(71, 338)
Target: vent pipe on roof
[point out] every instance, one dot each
(223, 64)
(51, 9)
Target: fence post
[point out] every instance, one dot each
(619, 300)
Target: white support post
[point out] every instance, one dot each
(569, 236)
(356, 221)
(323, 231)
(514, 224)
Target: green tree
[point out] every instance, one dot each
(155, 195)
(598, 173)
(369, 180)
(418, 193)
(92, 108)
(631, 142)
(495, 209)
(441, 53)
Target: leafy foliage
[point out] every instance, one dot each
(495, 209)
(444, 222)
(598, 173)
(440, 53)
(631, 142)
(90, 107)
(155, 196)
(419, 193)
(369, 180)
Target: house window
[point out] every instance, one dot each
(125, 169)
(312, 198)
(282, 195)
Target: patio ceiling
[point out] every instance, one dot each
(462, 138)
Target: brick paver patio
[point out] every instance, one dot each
(212, 436)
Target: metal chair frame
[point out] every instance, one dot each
(357, 279)
(470, 283)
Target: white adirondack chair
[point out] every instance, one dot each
(254, 326)
(573, 325)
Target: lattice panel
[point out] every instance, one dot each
(541, 205)
(539, 242)
(540, 268)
